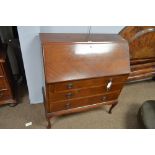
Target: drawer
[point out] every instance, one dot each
(63, 86)
(3, 84)
(4, 95)
(58, 106)
(53, 97)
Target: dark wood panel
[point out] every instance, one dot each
(57, 106)
(3, 83)
(143, 66)
(6, 79)
(131, 33)
(1, 70)
(141, 41)
(141, 61)
(4, 95)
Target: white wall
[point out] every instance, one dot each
(106, 29)
(31, 53)
(32, 57)
(80, 29)
(64, 29)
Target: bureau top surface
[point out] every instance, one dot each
(73, 37)
(74, 58)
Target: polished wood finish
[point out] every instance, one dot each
(141, 41)
(77, 93)
(3, 84)
(83, 101)
(7, 95)
(71, 62)
(83, 71)
(69, 85)
(141, 61)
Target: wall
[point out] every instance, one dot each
(32, 57)
(80, 29)
(106, 29)
(64, 29)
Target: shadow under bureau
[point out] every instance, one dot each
(82, 71)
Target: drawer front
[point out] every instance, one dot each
(4, 95)
(3, 84)
(53, 97)
(58, 106)
(57, 87)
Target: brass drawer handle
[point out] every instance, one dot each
(68, 105)
(70, 85)
(109, 85)
(104, 98)
(69, 95)
(1, 94)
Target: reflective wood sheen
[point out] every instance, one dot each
(83, 71)
(141, 41)
(72, 61)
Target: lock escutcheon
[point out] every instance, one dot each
(109, 85)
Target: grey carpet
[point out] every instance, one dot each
(124, 115)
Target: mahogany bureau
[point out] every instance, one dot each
(82, 71)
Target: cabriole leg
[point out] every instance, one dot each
(49, 123)
(112, 106)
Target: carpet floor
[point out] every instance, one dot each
(124, 115)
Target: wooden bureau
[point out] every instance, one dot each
(83, 71)
(7, 95)
(141, 40)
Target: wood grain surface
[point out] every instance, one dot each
(72, 61)
(141, 41)
(83, 71)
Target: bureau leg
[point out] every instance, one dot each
(49, 123)
(153, 78)
(112, 106)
